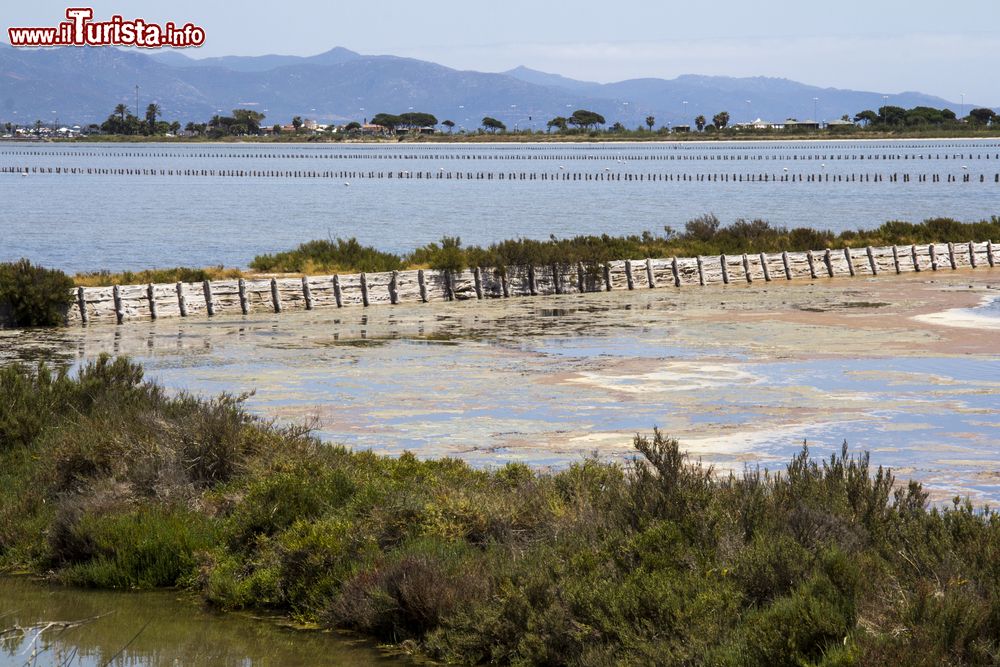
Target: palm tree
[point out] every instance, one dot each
(650, 122)
(699, 122)
(121, 110)
(152, 112)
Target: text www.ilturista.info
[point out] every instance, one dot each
(80, 30)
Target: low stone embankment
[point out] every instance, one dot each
(126, 303)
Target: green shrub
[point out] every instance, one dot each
(148, 547)
(33, 295)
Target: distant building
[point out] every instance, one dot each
(792, 124)
(681, 128)
(839, 123)
(374, 130)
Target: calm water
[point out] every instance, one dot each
(90, 222)
(153, 629)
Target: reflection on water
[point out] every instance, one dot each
(50, 625)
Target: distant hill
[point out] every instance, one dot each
(83, 85)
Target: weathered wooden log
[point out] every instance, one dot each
(746, 268)
(675, 270)
(581, 283)
(989, 253)
(916, 260)
(151, 300)
(275, 297)
(532, 287)
(812, 264)
(895, 259)
(422, 285)
(828, 262)
(628, 274)
(81, 302)
(504, 285)
(307, 293)
(933, 252)
(701, 270)
(764, 268)
(394, 287)
(607, 277)
(650, 279)
(206, 288)
(364, 289)
(850, 261)
(241, 287)
(725, 269)
(556, 279)
(116, 294)
(951, 256)
(972, 254)
(872, 264)
(786, 266)
(181, 300)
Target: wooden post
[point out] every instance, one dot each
(364, 289)
(307, 293)
(420, 283)
(895, 259)
(701, 270)
(394, 288)
(786, 266)
(972, 254)
(674, 270)
(151, 300)
(580, 278)
(181, 301)
(532, 287)
(81, 302)
(746, 268)
(916, 260)
(812, 264)
(764, 268)
(275, 297)
(650, 280)
(628, 274)
(872, 264)
(725, 269)
(607, 276)
(556, 283)
(989, 253)
(504, 285)
(850, 261)
(828, 262)
(478, 277)
(244, 304)
(951, 255)
(116, 293)
(933, 251)
(206, 287)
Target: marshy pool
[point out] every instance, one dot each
(96, 628)
(741, 375)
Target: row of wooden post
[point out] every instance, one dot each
(826, 258)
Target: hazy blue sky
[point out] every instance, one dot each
(885, 45)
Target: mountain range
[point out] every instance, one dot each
(83, 85)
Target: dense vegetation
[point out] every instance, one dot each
(704, 235)
(172, 275)
(106, 481)
(32, 295)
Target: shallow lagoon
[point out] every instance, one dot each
(742, 375)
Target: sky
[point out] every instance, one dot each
(888, 46)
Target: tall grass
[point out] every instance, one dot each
(704, 235)
(106, 481)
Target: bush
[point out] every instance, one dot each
(34, 296)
